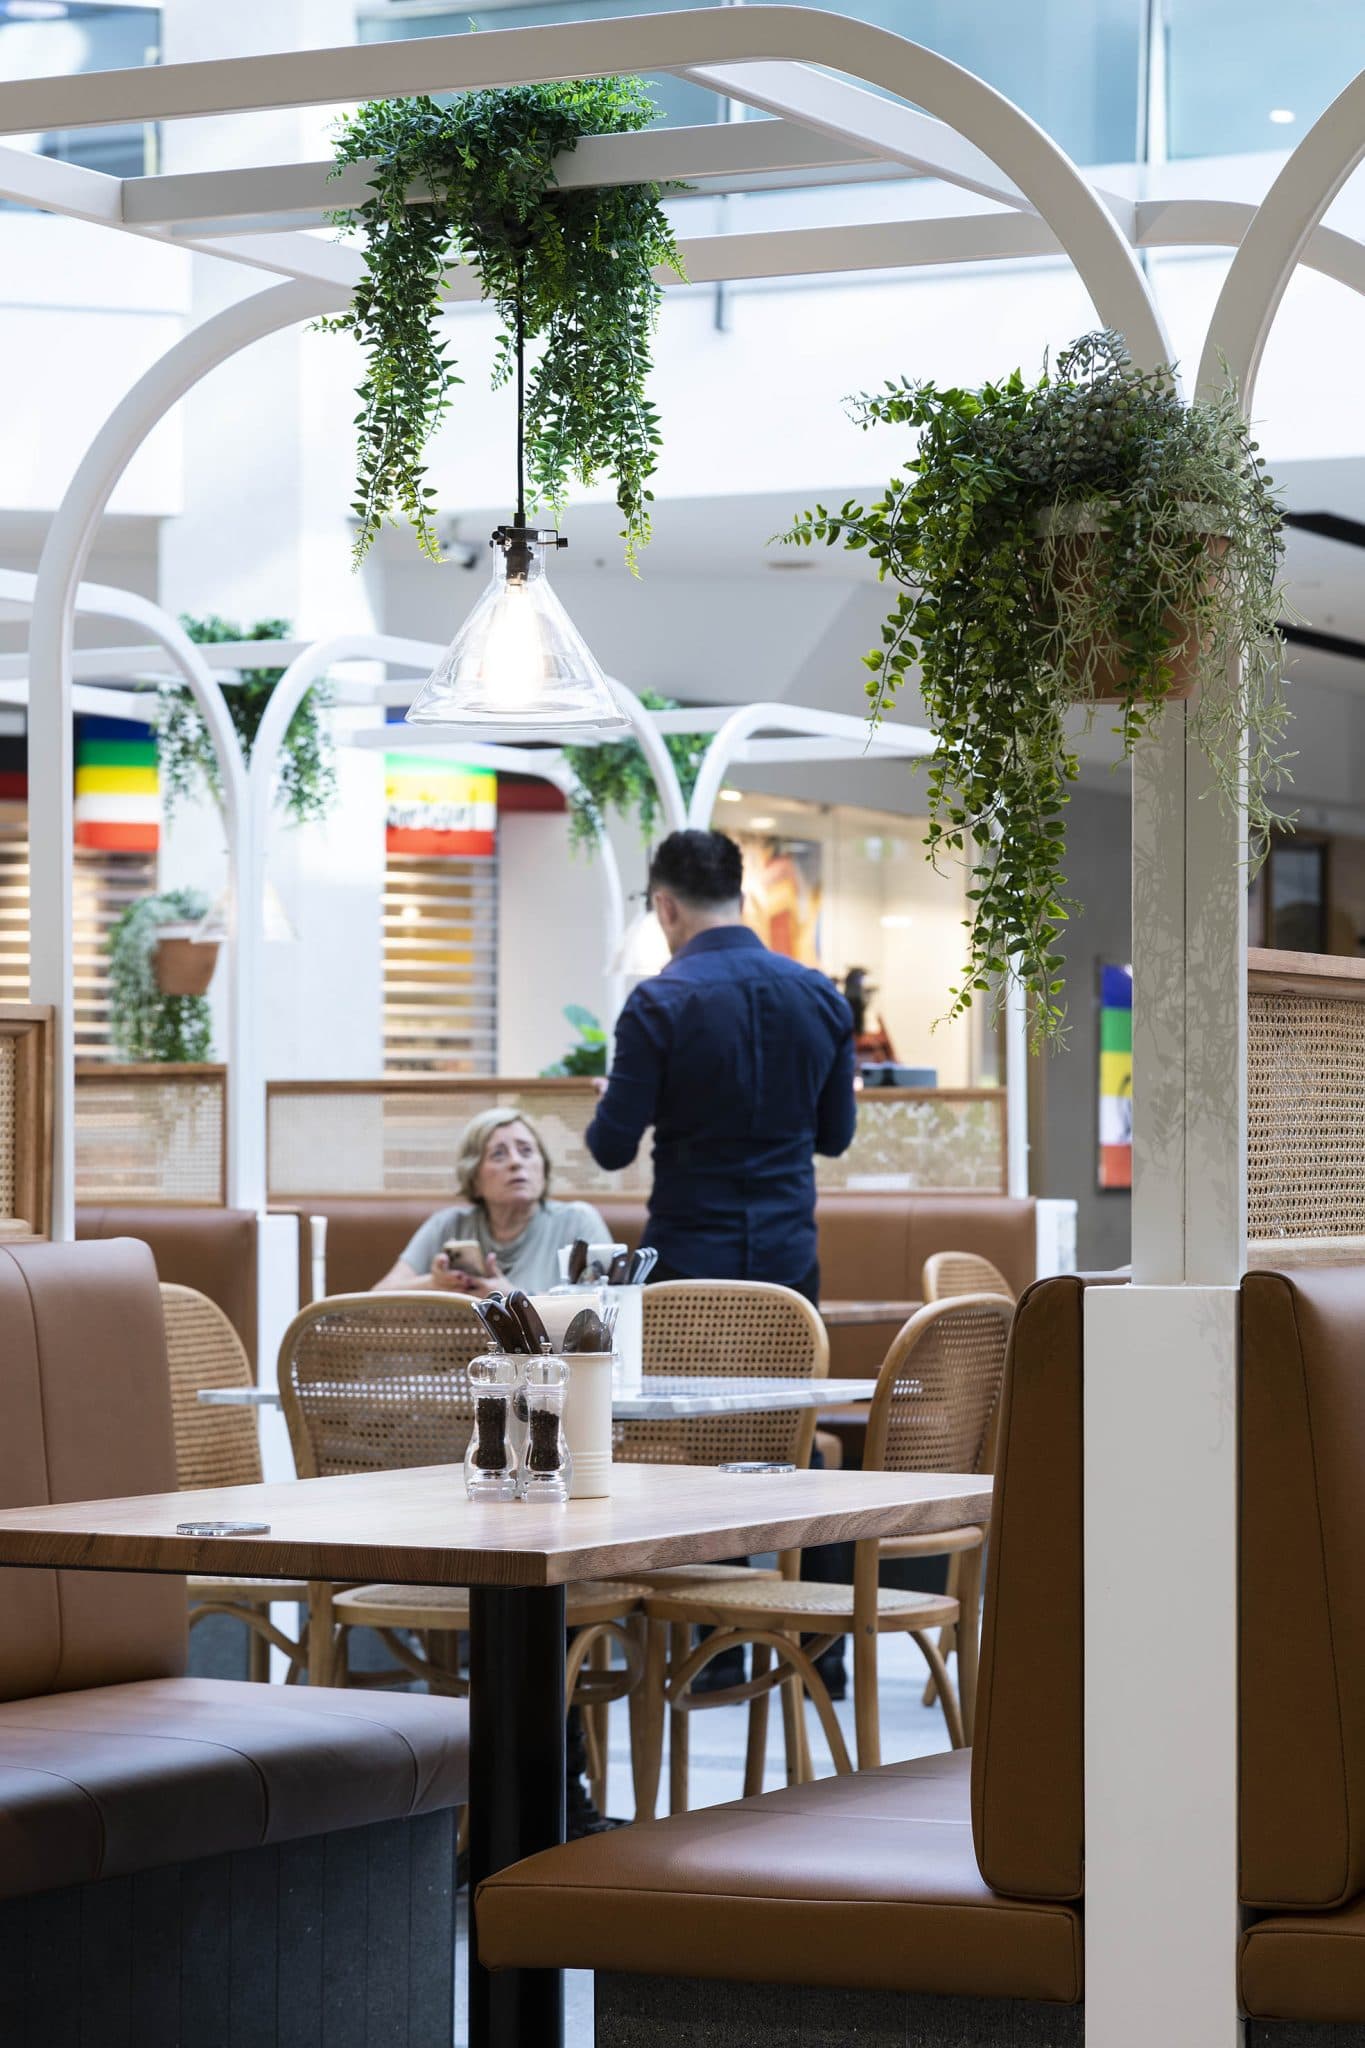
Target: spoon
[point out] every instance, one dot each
(587, 1332)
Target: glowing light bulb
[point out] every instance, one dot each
(514, 658)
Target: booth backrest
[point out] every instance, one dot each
(1302, 1603)
(872, 1246)
(1027, 1757)
(211, 1250)
(85, 1397)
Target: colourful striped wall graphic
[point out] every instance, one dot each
(438, 807)
(117, 803)
(1116, 1077)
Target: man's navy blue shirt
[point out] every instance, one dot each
(743, 1063)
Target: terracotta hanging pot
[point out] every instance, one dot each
(184, 964)
(1073, 534)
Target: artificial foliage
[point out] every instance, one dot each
(570, 272)
(307, 767)
(144, 1023)
(588, 1053)
(616, 777)
(1048, 539)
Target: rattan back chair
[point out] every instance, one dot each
(220, 1447)
(727, 1329)
(949, 1274)
(376, 1382)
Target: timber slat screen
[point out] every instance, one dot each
(103, 885)
(152, 1134)
(26, 1039)
(400, 1135)
(440, 965)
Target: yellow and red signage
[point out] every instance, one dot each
(117, 803)
(437, 807)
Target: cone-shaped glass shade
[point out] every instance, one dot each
(518, 659)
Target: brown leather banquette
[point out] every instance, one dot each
(872, 1248)
(956, 1875)
(112, 1761)
(211, 1250)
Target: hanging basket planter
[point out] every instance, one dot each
(184, 964)
(1072, 537)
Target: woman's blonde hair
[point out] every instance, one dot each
(475, 1140)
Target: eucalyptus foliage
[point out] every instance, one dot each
(1052, 540)
(616, 777)
(571, 270)
(146, 1024)
(307, 768)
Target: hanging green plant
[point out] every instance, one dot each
(570, 269)
(588, 1053)
(1087, 538)
(307, 768)
(616, 777)
(144, 1022)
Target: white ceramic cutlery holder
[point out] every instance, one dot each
(628, 1340)
(587, 1422)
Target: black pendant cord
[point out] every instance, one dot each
(521, 394)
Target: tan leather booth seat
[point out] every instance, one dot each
(949, 1875)
(1302, 1628)
(111, 1760)
(872, 1248)
(211, 1250)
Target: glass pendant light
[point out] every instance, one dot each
(519, 663)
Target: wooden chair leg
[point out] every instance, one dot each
(756, 1749)
(647, 1717)
(943, 1685)
(799, 1770)
(322, 1652)
(678, 1731)
(597, 1720)
(968, 1633)
(947, 1637)
(867, 1720)
(257, 1657)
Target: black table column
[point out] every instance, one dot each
(516, 1789)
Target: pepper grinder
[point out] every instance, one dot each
(546, 1467)
(490, 1462)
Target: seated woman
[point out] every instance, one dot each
(510, 1231)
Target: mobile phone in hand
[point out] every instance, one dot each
(466, 1256)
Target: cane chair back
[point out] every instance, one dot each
(727, 1329)
(948, 1274)
(938, 1391)
(376, 1382)
(213, 1446)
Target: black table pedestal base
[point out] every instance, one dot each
(516, 1802)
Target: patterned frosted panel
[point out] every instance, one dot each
(150, 1138)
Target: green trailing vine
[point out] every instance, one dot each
(616, 777)
(1052, 540)
(144, 1023)
(570, 270)
(307, 767)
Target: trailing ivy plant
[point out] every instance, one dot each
(571, 270)
(1053, 540)
(616, 777)
(146, 1024)
(307, 768)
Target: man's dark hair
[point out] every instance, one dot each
(702, 869)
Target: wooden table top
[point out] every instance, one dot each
(417, 1527)
(843, 1314)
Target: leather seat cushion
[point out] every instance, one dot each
(864, 1881)
(211, 1250)
(1306, 1966)
(123, 1778)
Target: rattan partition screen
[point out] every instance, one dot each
(1305, 1104)
(25, 1120)
(154, 1134)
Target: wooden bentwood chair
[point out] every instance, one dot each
(220, 1447)
(377, 1382)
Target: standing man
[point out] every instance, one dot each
(742, 1061)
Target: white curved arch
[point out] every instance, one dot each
(64, 556)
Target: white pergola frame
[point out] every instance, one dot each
(1160, 1511)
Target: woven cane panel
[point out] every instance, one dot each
(948, 1373)
(213, 1446)
(375, 1383)
(1305, 1116)
(367, 1138)
(725, 1329)
(149, 1138)
(951, 1273)
(9, 1127)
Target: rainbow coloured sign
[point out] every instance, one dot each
(118, 807)
(1116, 1077)
(436, 807)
